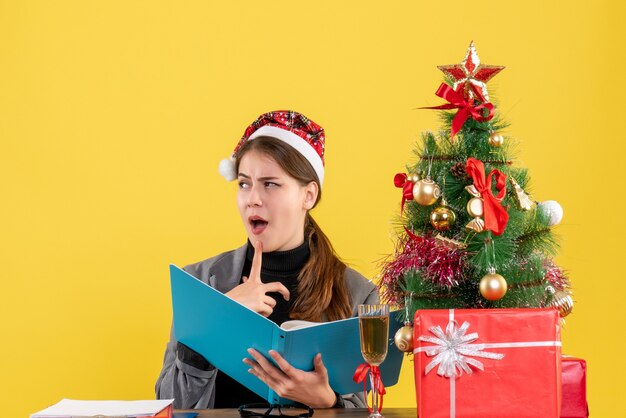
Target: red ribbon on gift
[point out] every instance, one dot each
(401, 182)
(466, 108)
(496, 217)
(359, 376)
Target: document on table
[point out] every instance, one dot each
(73, 408)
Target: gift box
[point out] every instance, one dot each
(574, 383)
(487, 363)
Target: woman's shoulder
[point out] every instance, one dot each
(222, 263)
(353, 276)
(360, 289)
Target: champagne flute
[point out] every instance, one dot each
(374, 330)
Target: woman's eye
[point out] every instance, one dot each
(243, 185)
(270, 184)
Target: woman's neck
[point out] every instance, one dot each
(283, 261)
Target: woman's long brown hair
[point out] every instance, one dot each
(321, 286)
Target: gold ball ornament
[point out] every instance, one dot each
(561, 300)
(495, 140)
(413, 178)
(475, 207)
(426, 192)
(442, 218)
(493, 286)
(404, 339)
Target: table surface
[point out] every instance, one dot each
(319, 413)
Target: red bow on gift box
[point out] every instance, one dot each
(496, 217)
(466, 108)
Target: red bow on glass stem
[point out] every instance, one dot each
(496, 217)
(360, 376)
(401, 181)
(466, 108)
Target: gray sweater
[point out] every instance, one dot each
(193, 388)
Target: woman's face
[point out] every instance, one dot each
(272, 204)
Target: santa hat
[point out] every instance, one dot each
(291, 127)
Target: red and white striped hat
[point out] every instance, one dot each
(293, 128)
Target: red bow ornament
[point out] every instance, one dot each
(403, 182)
(466, 108)
(484, 203)
(359, 376)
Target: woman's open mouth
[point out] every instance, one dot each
(257, 224)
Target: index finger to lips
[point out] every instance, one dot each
(255, 269)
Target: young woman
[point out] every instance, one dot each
(287, 269)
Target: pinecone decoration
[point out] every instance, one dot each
(458, 171)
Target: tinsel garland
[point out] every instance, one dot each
(440, 264)
(556, 276)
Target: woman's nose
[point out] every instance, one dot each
(254, 197)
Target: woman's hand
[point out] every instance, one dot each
(252, 292)
(309, 388)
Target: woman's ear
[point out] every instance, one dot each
(311, 191)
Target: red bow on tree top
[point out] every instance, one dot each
(496, 217)
(466, 107)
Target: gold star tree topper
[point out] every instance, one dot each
(470, 76)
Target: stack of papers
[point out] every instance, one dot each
(72, 408)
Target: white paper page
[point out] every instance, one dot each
(73, 408)
(297, 324)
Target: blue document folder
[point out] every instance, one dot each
(222, 330)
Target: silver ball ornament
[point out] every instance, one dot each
(553, 210)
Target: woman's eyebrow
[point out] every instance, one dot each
(260, 178)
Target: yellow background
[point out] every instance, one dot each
(114, 115)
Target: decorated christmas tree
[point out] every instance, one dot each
(471, 234)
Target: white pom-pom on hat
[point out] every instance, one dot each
(227, 169)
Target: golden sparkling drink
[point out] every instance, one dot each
(374, 336)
